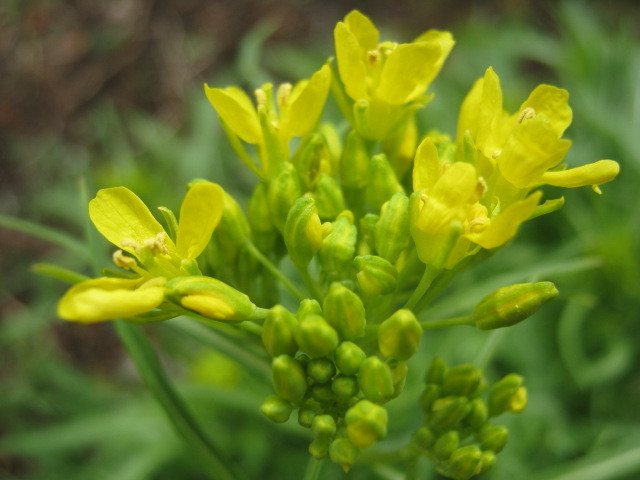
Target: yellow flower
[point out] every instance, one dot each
(384, 78)
(123, 219)
(271, 125)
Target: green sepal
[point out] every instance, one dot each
(278, 332)
(276, 409)
(303, 231)
(289, 379)
(316, 337)
(391, 232)
(349, 357)
(376, 276)
(344, 310)
(366, 423)
(383, 183)
(375, 380)
(399, 335)
(283, 191)
(328, 196)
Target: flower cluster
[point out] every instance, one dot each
(375, 221)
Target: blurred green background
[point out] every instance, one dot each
(96, 94)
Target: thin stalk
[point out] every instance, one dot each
(275, 271)
(184, 423)
(489, 348)
(59, 273)
(314, 467)
(429, 275)
(448, 322)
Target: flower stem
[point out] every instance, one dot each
(184, 423)
(448, 322)
(275, 271)
(430, 273)
(314, 466)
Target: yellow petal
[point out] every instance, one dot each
(110, 298)
(553, 103)
(209, 306)
(504, 227)
(200, 213)
(595, 174)
(353, 71)
(119, 215)
(446, 42)
(407, 72)
(305, 105)
(532, 148)
(426, 167)
(363, 29)
(456, 185)
(237, 111)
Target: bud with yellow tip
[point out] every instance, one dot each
(375, 379)
(399, 335)
(376, 276)
(366, 423)
(278, 332)
(316, 337)
(276, 409)
(349, 358)
(303, 231)
(508, 395)
(344, 310)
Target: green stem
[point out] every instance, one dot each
(489, 348)
(275, 271)
(310, 283)
(184, 423)
(59, 273)
(430, 273)
(388, 457)
(314, 467)
(448, 322)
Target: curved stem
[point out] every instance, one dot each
(429, 275)
(275, 271)
(448, 322)
(184, 423)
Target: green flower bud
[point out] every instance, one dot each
(210, 298)
(382, 182)
(345, 387)
(343, 452)
(344, 310)
(303, 231)
(487, 459)
(316, 337)
(336, 253)
(308, 159)
(321, 370)
(437, 371)
(328, 196)
(274, 152)
(233, 223)
(366, 423)
(289, 379)
(276, 409)
(278, 332)
(367, 227)
(349, 358)
(392, 230)
(399, 372)
(507, 395)
(319, 448)
(446, 444)
(375, 380)
(464, 463)
(399, 335)
(306, 416)
(259, 218)
(323, 426)
(322, 393)
(424, 438)
(282, 192)
(354, 163)
(431, 393)
(308, 306)
(376, 276)
(478, 414)
(510, 305)
(465, 380)
(493, 437)
(447, 412)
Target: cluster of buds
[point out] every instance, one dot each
(457, 433)
(323, 367)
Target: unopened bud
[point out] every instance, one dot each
(510, 305)
(375, 380)
(507, 395)
(446, 444)
(233, 223)
(319, 448)
(289, 379)
(308, 159)
(282, 192)
(322, 393)
(344, 310)
(345, 387)
(392, 230)
(321, 370)
(306, 416)
(210, 298)
(303, 231)
(447, 412)
(323, 426)
(466, 380)
(437, 371)
(399, 335)
(487, 459)
(424, 438)
(278, 332)
(328, 196)
(399, 372)
(382, 182)
(259, 218)
(276, 409)
(349, 358)
(366, 232)
(308, 306)
(493, 437)
(336, 253)
(343, 452)
(354, 162)
(376, 276)
(478, 414)
(431, 393)
(316, 337)
(464, 463)
(366, 423)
